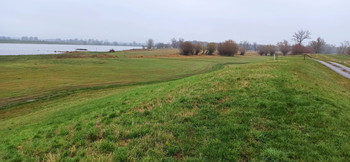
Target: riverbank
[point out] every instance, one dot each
(254, 109)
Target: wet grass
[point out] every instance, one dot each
(256, 109)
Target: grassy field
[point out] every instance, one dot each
(253, 108)
(28, 77)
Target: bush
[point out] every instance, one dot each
(186, 48)
(298, 49)
(111, 50)
(262, 50)
(242, 51)
(198, 48)
(284, 47)
(211, 48)
(271, 49)
(267, 49)
(228, 48)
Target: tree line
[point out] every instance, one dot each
(231, 48)
(76, 41)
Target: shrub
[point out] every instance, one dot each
(211, 48)
(111, 50)
(298, 49)
(242, 51)
(262, 50)
(271, 49)
(198, 48)
(186, 48)
(284, 47)
(267, 49)
(228, 48)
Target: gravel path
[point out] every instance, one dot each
(339, 68)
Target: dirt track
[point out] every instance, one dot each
(339, 68)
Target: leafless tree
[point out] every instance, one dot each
(242, 51)
(329, 49)
(301, 35)
(180, 41)
(228, 48)
(186, 48)
(198, 48)
(271, 49)
(150, 44)
(255, 46)
(245, 44)
(284, 47)
(211, 48)
(318, 45)
(344, 47)
(174, 43)
(262, 50)
(162, 45)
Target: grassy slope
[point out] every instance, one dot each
(30, 76)
(286, 110)
(342, 59)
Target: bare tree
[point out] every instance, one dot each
(245, 44)
(162, 45)
(344, 47)
(329, 49)
(228, 48)
(318, 45)
(174, 43)
(180, 41)
(211, 48)
(255, 46)
(198, 48)
(262, 50)
(284, 47)
(301, 35)
(270, 49)
(242, 51)
(186, 48)
(150, 44)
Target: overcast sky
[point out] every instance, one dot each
(262, 21)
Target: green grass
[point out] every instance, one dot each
(252, 109)
(27, 77)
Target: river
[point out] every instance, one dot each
(35, 49)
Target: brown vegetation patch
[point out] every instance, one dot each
(143, 109)
(178, 156)
(125, 142)
(245, 83)
(260, 126)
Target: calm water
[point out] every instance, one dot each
(34, 49)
